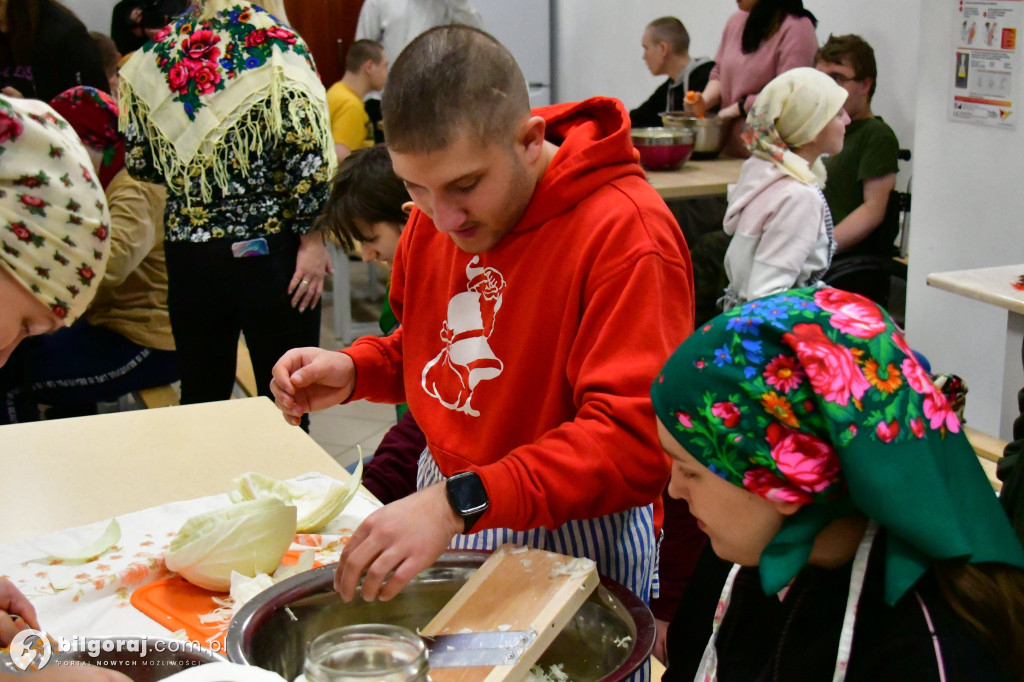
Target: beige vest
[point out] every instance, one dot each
(132, 299)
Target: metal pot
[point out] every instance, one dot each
(273, 629)
(663, 148)
(708, 132)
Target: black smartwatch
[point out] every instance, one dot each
(467, 496)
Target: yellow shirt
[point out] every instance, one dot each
(350, 125)
(132, 298)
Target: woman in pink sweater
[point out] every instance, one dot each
(762, 40)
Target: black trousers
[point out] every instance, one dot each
(212, 296)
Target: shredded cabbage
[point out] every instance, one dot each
(244, 588)
(315, 507)
(248, 537)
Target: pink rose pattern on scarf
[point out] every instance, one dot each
(772, 430)
(199, 58)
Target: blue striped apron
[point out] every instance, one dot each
(622, 545)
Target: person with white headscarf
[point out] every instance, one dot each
(777, 216)
(54, 223)
(54, 245)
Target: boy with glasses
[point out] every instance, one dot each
(863, 175)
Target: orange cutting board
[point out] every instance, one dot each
(515, 589)
(177, 604)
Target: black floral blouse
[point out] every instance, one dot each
(284, 190)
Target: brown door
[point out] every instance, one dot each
(328, 27)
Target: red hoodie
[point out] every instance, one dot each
(531, 363)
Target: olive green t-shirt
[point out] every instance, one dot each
(870, 150)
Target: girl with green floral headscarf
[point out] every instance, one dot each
(815, 452)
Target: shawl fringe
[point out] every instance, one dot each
(258, 123)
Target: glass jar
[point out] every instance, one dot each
(367, 653)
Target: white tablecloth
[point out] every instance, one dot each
(92, 599)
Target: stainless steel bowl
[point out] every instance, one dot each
(707, 132)
(663, 148)
(161, 658)
(273, 629)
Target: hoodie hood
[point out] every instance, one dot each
(594, 149)
(756, 176)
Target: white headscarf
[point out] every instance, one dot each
(54, 222)
(790, 112)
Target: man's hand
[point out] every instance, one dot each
(694, 104)
(16, 612)
(308, 379)
(395, 543)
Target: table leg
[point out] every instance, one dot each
(1013, 377)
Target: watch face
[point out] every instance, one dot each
(467, 494)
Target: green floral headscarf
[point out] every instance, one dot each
(813, 396)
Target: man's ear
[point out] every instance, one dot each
(531, 138)
(407, 207)
(869, 83)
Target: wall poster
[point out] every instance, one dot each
(986, 60)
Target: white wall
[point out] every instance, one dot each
(967, 214)
(95, 14)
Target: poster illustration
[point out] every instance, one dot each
(986, 62)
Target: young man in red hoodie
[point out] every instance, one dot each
(540, 283)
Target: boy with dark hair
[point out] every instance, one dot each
(667, 53)
(539, 283)
(364, 194)
(366, 69)
(861, 178)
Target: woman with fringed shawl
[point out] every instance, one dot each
(226, 109)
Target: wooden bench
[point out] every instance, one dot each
(166, 396)
(989, 450)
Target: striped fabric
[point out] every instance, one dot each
(830, 230)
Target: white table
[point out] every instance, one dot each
(152, 470)
(994, 286)
(69, 472)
